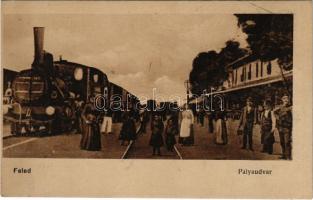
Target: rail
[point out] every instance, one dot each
(124, 156)
(178, 153)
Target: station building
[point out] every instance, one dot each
(251, 77)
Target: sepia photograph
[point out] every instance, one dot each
(153, 93)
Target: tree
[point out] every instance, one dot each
(202, 65)
(270, 36)
(231, 52)
(209, 68)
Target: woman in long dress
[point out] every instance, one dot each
(128, 131)
(220, 129)
(186, 136)
(91, 139)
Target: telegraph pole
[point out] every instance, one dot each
(187, 90)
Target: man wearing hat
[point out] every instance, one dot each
(246, 122)
(284, 126)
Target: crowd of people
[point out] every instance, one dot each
(92, 122)
(165, 129)
(271, 119)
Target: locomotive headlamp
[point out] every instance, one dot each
(50, 110)
(78, 73)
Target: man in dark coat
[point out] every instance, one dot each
(79, 105)
(284, 125)
(174, 117)
(144, 119)
(156, 140)
(128, 131)
(170, 132)
(268, 124)
(201, 115)
(246, 122)
(210, 121)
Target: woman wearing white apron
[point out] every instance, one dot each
(186, 130)
(220, 129)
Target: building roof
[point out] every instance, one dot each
(269, 80)
(241, 61)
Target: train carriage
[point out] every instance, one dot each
(120, 101)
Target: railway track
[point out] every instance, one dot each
(8, 136)
(130, 147)
(138, 148)
(124, 156)
(178, 153)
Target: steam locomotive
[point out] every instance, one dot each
(45, 97)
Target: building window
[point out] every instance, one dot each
(249, 73)
(257, 69)
(236, 77)
(261, 69)
(242, 74)
(269, 68)
(232, 78)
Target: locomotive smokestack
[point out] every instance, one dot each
(38, 42)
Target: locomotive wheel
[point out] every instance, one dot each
(49, 129)
(54, 127)
(67, 127)
(70, 125)
(13, 129)
(16, 129)
(28, 128)
(36, 128)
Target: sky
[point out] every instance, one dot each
(137, 51)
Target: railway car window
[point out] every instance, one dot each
(261, 69)
(257, 69)
(95, 78)
(78, 74)
(269, 68)
(249, 73)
